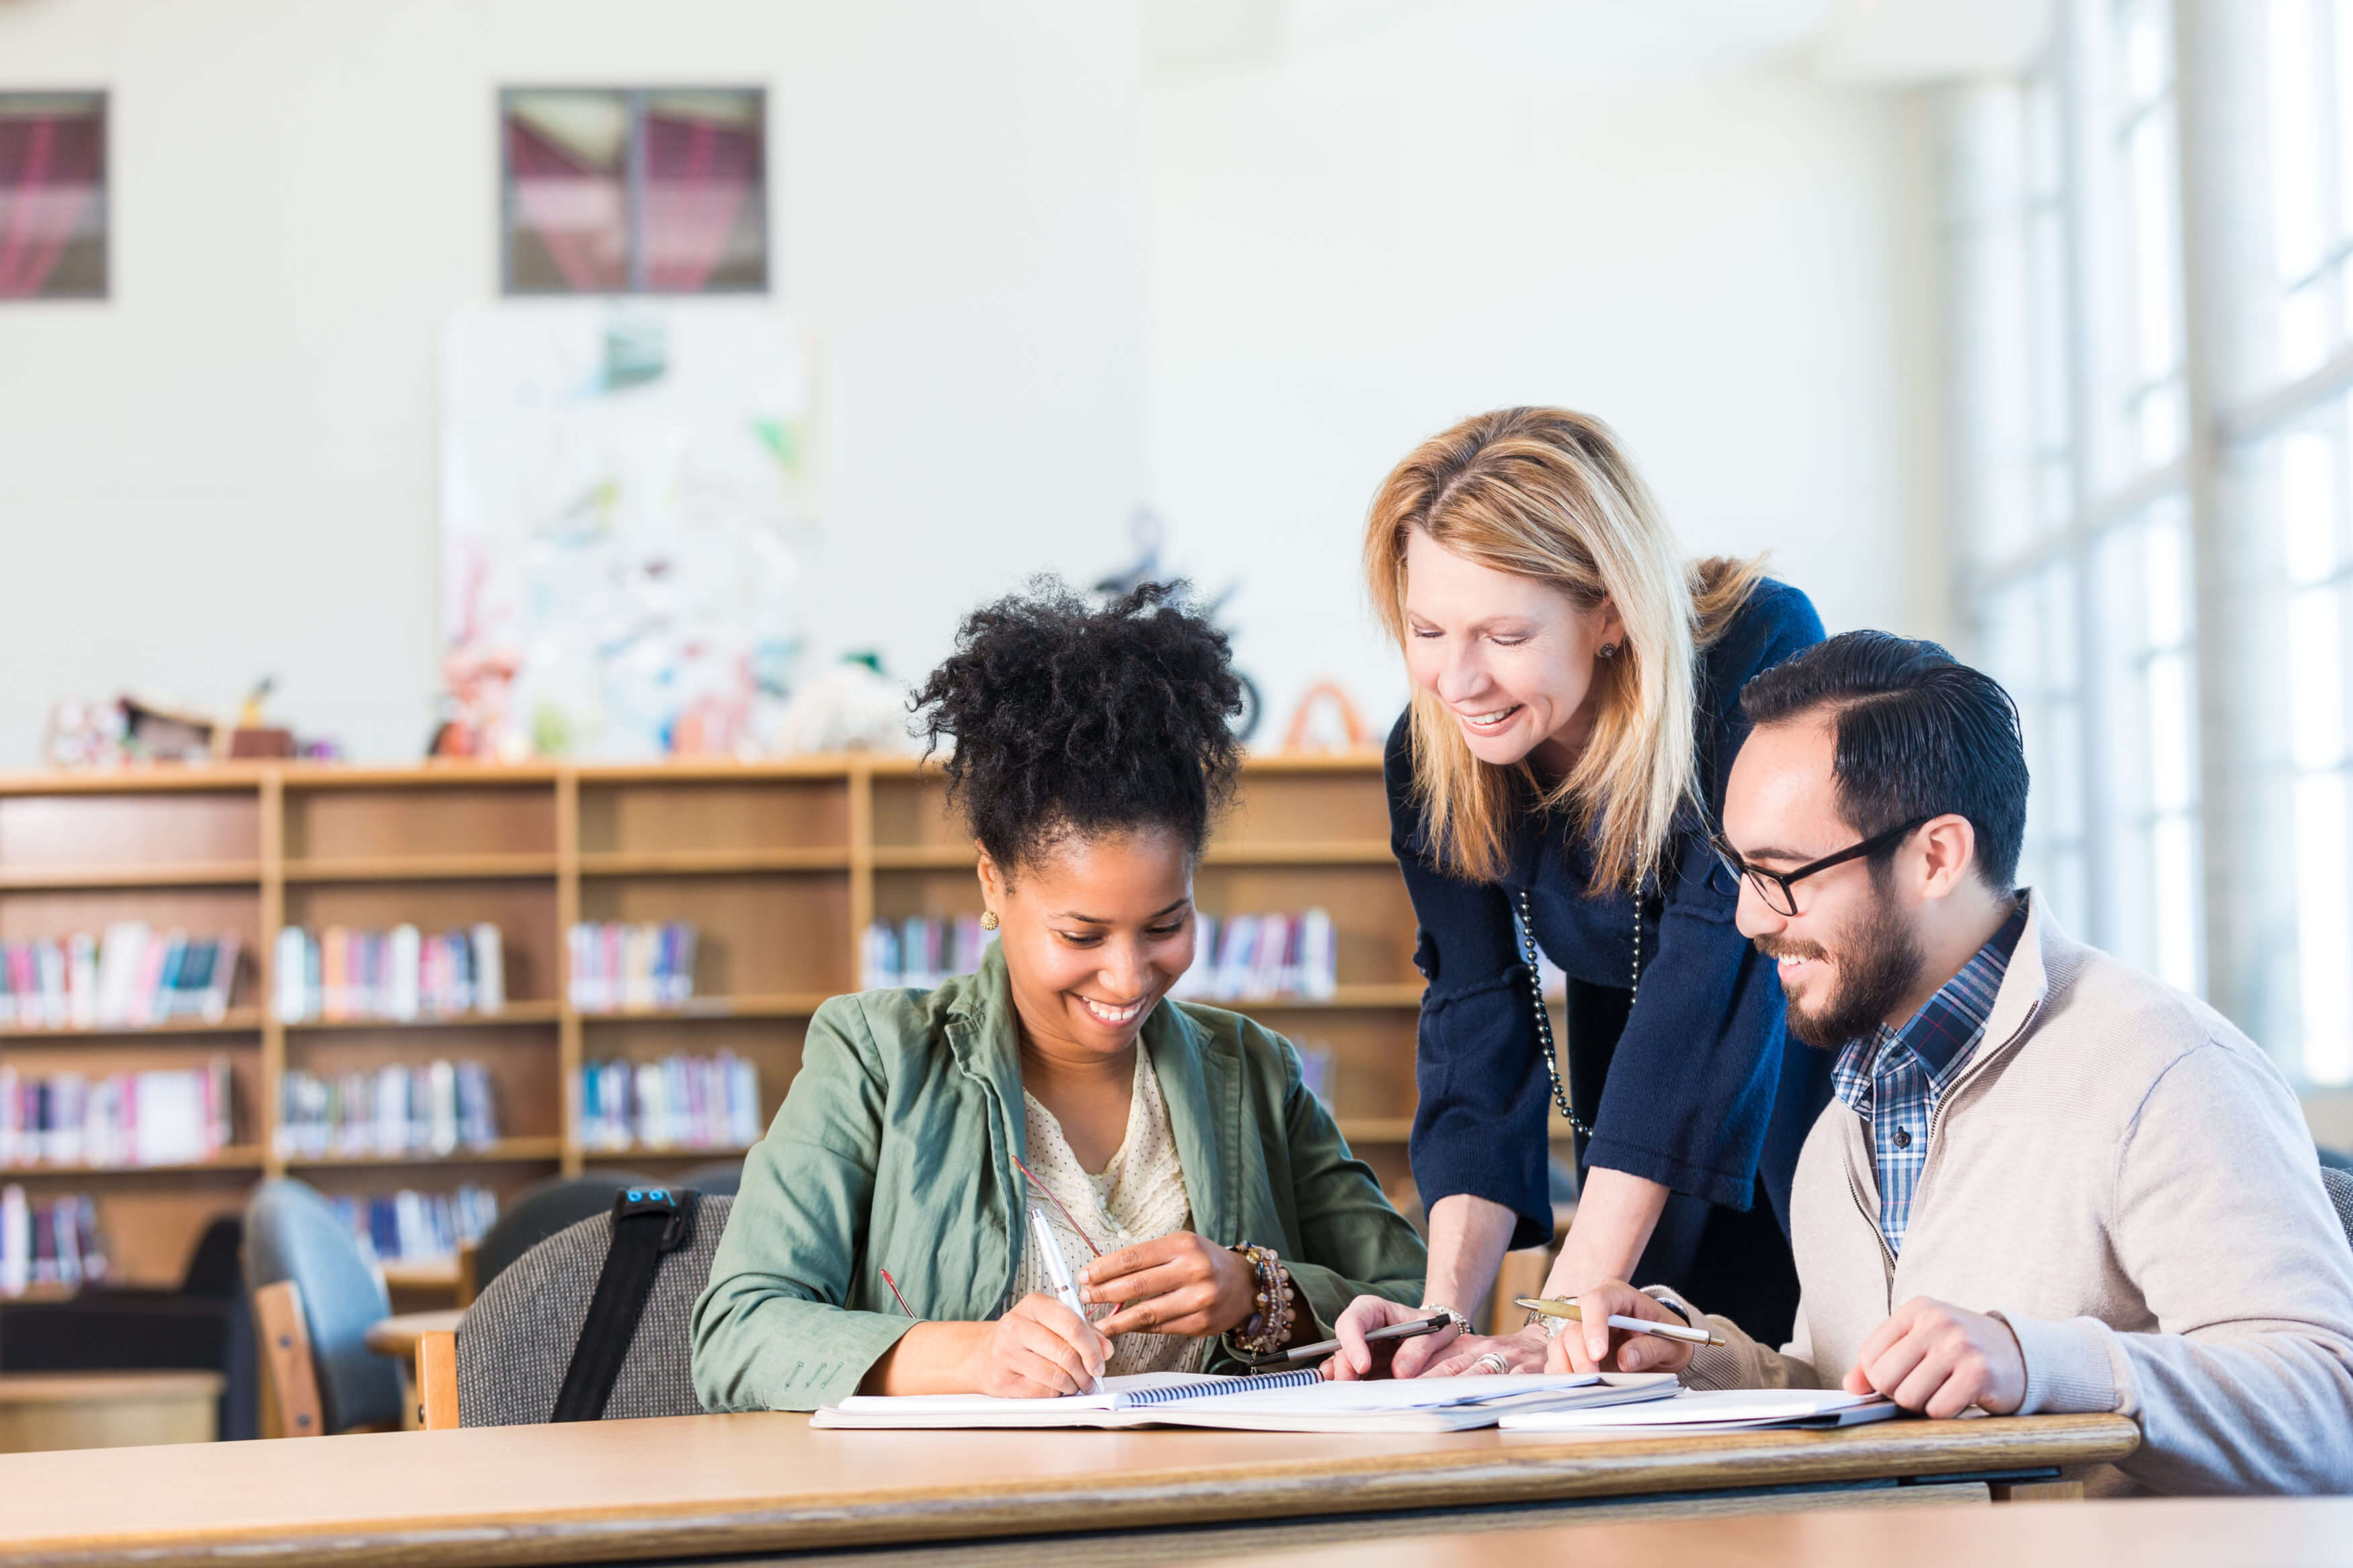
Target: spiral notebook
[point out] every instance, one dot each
(1265, 1401)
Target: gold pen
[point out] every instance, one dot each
(1549, 1307)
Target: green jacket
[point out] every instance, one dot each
(895, 1150)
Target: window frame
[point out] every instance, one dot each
(633, 187)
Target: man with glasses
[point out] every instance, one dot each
(2048, 1183)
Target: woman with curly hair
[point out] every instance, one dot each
(1198, 1188)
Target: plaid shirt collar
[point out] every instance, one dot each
(1946, 1030)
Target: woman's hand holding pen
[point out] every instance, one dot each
(1175, 1284)
(1036, 1350)
(1592, 1345)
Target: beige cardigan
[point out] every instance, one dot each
(2128, 1181)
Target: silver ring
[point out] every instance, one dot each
(1494, 1362)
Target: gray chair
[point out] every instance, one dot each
(2340, 1183)
(541, 1210)
(719, 1178)
(290, 1235)
(515, 1341)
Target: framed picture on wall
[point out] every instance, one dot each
(633, 191)
(52, 196)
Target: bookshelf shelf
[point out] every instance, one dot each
(713, 862)
(422, 869)
(236, 1158)
(1342, 852)
(513, 1014)
(697, 1153)
(505, 1152)
(924, 858)
(151, 874)
(236, 1021)
(1400, 994)
(781, 1004)
(781, 866)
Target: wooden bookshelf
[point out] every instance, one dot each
(780, 866)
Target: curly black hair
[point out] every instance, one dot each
(1069, 720)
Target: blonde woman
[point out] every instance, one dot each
(1576, 710)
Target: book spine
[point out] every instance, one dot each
(220, 979)
(489, 970)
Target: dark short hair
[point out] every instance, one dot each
(1919, 734)
(1071, 718)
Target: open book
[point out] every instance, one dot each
(1268, 1402)
(1715, 1410)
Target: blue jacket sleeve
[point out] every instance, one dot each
(1480, 1127)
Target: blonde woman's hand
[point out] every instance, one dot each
(1592, 1345)
(1521, 1351)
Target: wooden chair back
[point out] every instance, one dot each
(293, 1376)
(436, 1381)
(1523, 1273)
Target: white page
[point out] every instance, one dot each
(1386, 1396)
(1726, 1405)
(1380, 1396)
(981, 1404)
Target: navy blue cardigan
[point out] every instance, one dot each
(1692, 1094)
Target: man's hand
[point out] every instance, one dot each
(1939, 1360)
(1355, 1359)
(1592, 1345)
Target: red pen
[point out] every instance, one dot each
(894, 1292)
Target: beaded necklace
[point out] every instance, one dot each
(1543, 1017)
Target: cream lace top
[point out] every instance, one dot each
(1139, 1196)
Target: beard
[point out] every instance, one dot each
(1875, 965)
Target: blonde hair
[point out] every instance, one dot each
(1547, 494)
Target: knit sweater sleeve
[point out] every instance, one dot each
(1741, 1362)
(2220, 1221)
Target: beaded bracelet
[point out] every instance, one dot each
(1269, 1327)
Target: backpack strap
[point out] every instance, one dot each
(648, 1222)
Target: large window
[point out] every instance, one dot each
(609, 191)
(2077, 564)
(2161, 228)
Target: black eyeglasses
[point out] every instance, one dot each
(1778, 889)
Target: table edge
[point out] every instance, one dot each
(1555, 1471)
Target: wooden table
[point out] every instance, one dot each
(398, 1335)
(47, 1410)
(2169, 1532)
(706, 1485)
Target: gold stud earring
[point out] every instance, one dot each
(989, 919)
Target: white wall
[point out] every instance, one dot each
(228, 469)
(1060, 265)
(1354, 245)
